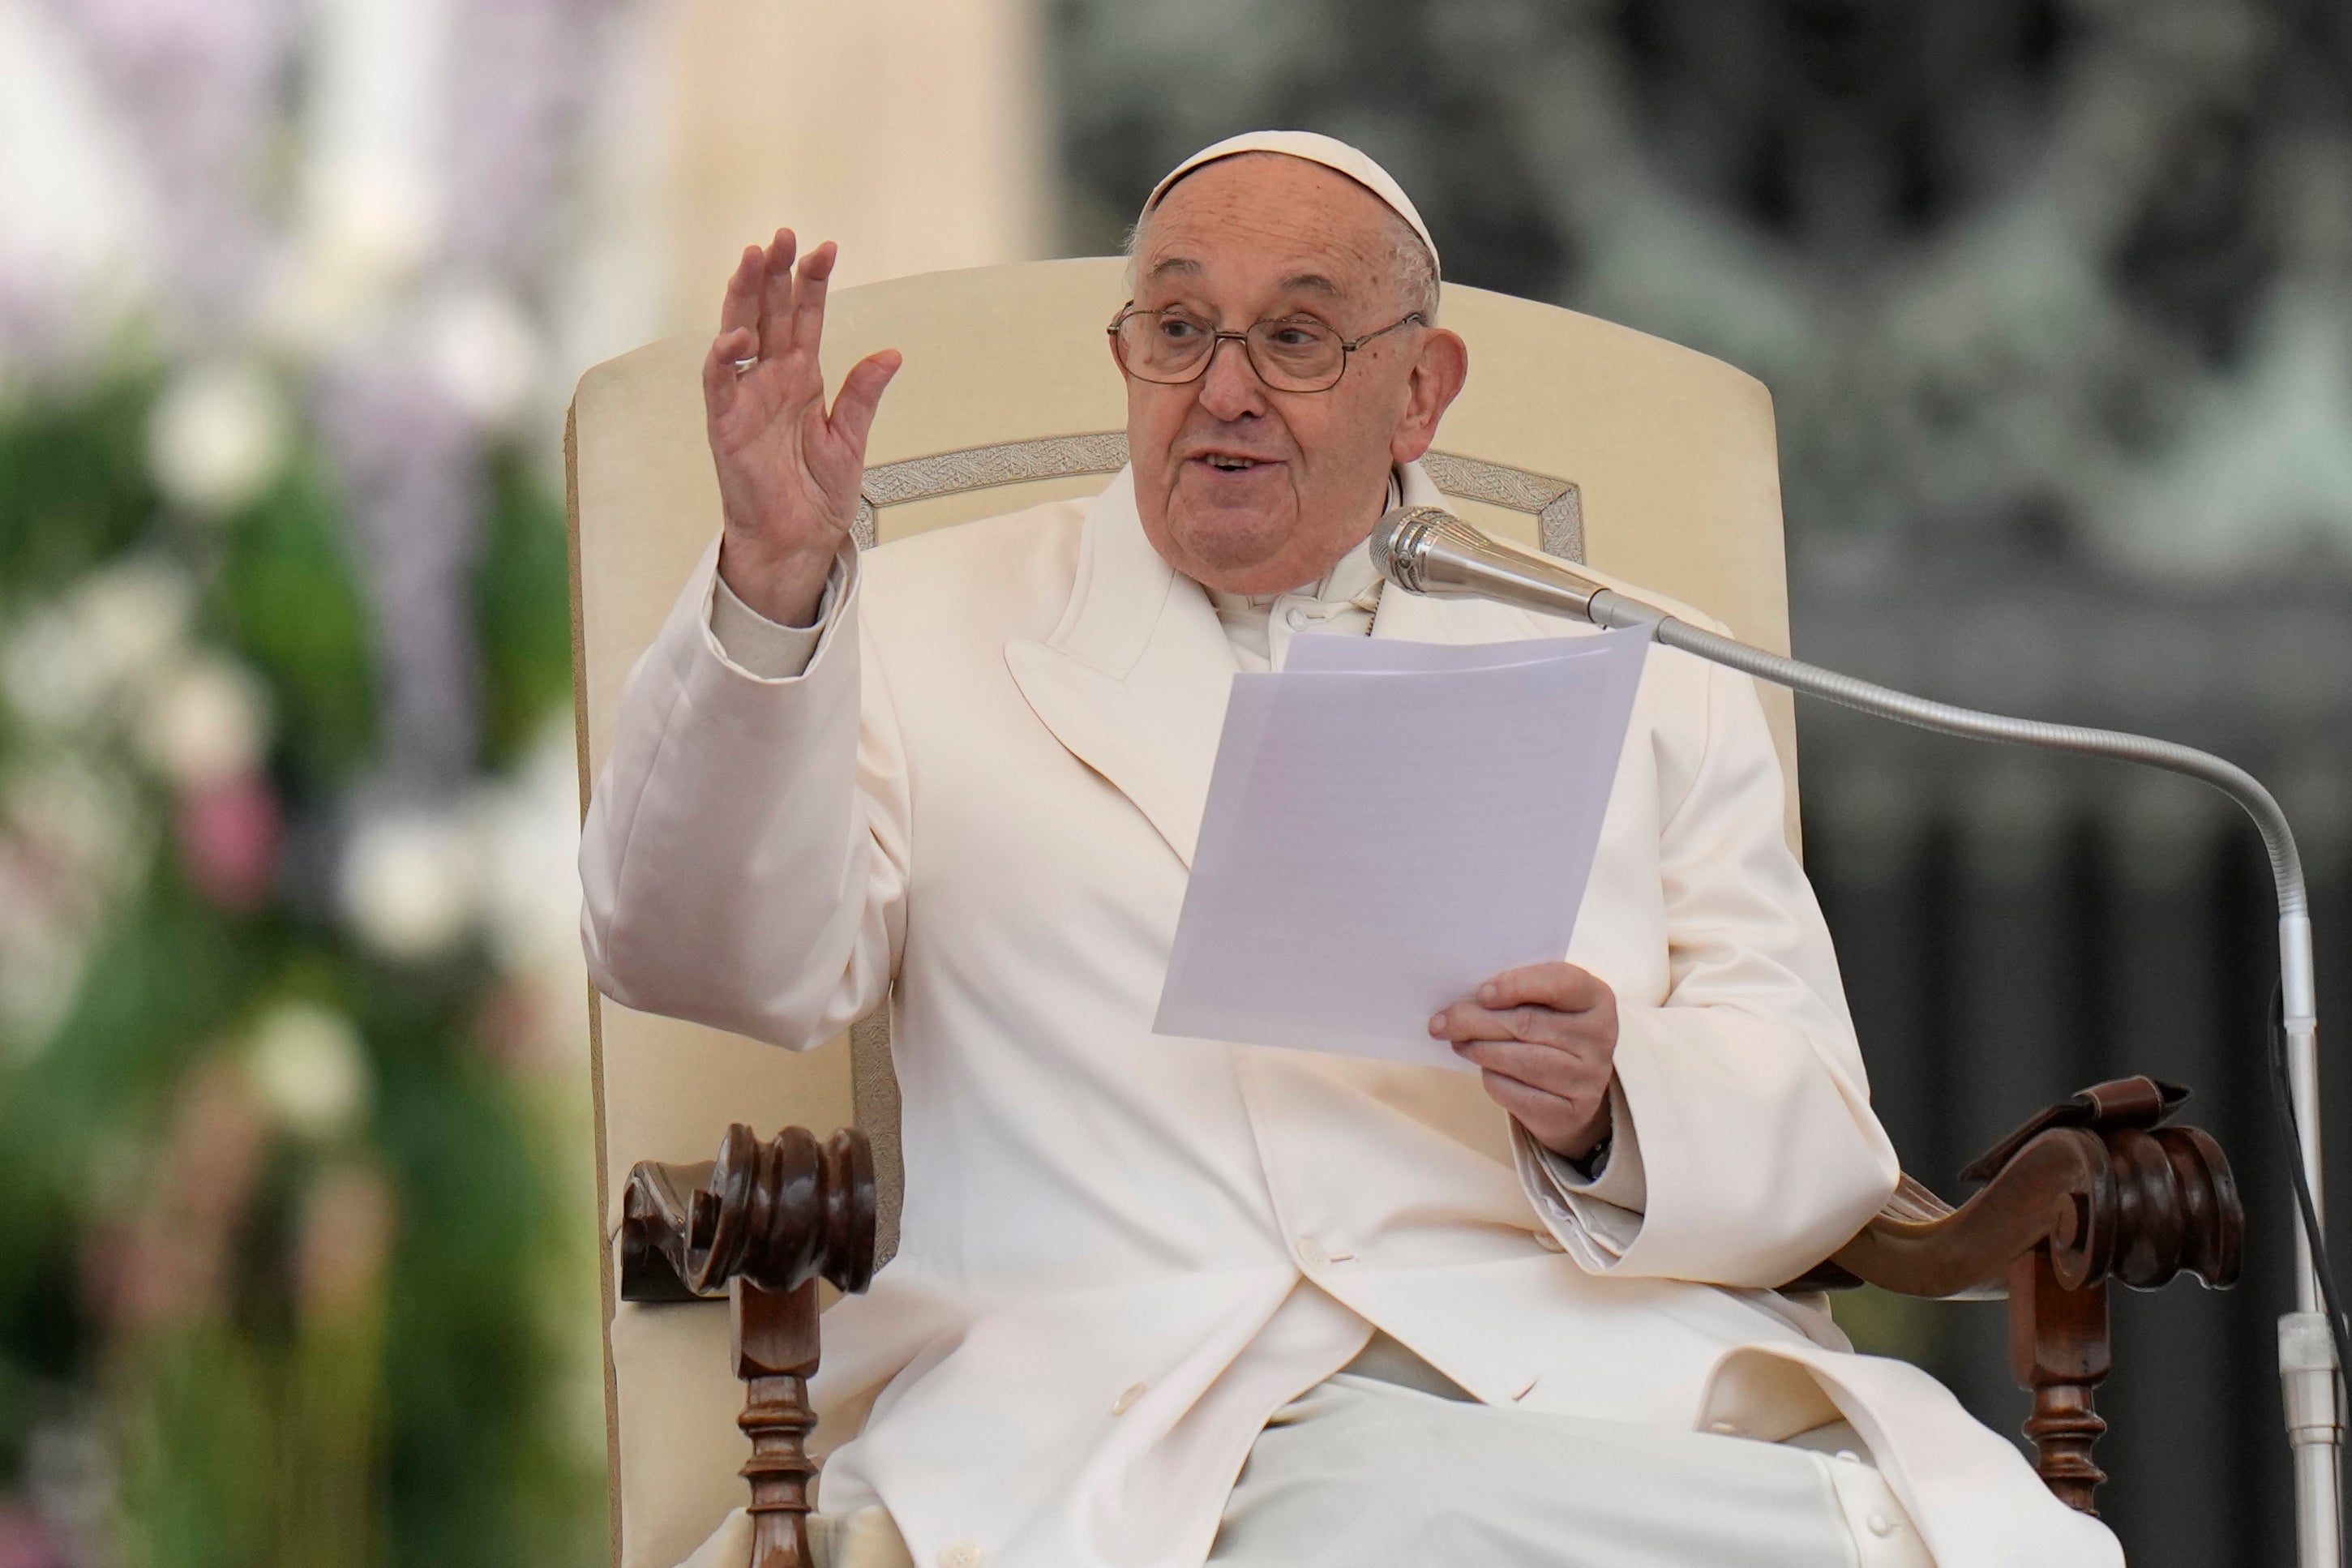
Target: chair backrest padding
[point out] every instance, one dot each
(1598, 443)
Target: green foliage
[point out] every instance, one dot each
(166, 981)
(414, 1418)
(196, 1450)
(525, 627)
(74, 488)
(288, 599)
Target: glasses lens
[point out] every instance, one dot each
(1298, 354)
(1164, 345)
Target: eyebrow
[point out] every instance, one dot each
(1311, 283)
(1297, 283)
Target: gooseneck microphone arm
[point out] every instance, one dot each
(1423, 550)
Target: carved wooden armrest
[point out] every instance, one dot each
(2095, 1188)
(759, 1226)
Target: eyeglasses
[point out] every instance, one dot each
(1290, 353)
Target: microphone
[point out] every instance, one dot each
(1427, 550)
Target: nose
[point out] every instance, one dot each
(1230, 388)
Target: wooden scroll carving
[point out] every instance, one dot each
(2093, 1189)
(759, 1225)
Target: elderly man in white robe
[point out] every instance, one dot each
(1164, 1301)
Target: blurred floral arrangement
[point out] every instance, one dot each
(296, 1257)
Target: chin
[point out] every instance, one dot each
(1228, 542)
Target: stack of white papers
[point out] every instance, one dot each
(1390, 824)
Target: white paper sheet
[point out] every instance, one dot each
(1389, 824)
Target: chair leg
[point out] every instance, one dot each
(2059, 1349)
(775, 1334)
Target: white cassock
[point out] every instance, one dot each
(1121, 1254)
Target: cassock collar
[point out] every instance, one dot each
(1133, 680)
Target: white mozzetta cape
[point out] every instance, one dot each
(1120, 1253)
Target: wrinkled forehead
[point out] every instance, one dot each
(1305, 227)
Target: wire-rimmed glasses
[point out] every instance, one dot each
(1290, 353)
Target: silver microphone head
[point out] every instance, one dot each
(1427, 550)
(1401, 538)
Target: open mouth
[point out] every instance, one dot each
(1228, 463)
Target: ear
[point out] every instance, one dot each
(1430, 387)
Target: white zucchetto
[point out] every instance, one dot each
(1316, 148)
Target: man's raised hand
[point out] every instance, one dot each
(789, 471)
(1544, 1039)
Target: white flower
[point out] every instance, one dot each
(218, 436)
(48, 676)
(72, 840)
(134, 616)
(307, 1065)
(481, 351)
(366, 227)
(40, 970)
(411, 885)
(206, 722)
(527, 832)
(65, 661)
(84, 825)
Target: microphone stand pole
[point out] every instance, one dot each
(1425, 551)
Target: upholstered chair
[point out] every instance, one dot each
(1575, 437)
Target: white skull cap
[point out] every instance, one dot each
(1315, 149)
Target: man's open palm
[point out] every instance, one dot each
(789, 470)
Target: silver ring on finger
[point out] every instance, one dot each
(743, 366)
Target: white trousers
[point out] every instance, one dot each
(1366, 1473)
(1388, 1465)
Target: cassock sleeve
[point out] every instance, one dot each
(744, 857)
(1596, 1215)
(766, 649)
(1744, 1148)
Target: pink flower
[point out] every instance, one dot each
(229, 835)
(27, 1542)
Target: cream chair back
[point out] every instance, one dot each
(1589, 440)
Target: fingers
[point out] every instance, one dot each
(1568, 1070)
(1548, 1025)
(1528, 1102)
(1563, 987)
(741, 309)
(1565, 1125)
(776, 292)
(1553, 1090)
(861, 394)
(808, 301)
(1469, 1021)
(719, 377)
(1547, 1116)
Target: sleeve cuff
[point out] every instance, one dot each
(1595, 1218)
(766, 649)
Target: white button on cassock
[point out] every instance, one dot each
(1549, 1242)
(962, 1554)
(1127, 1398)
(1881, 1525)
(1311, 1253)
(1724, 1428)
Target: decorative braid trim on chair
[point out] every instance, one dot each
(1557, 506)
